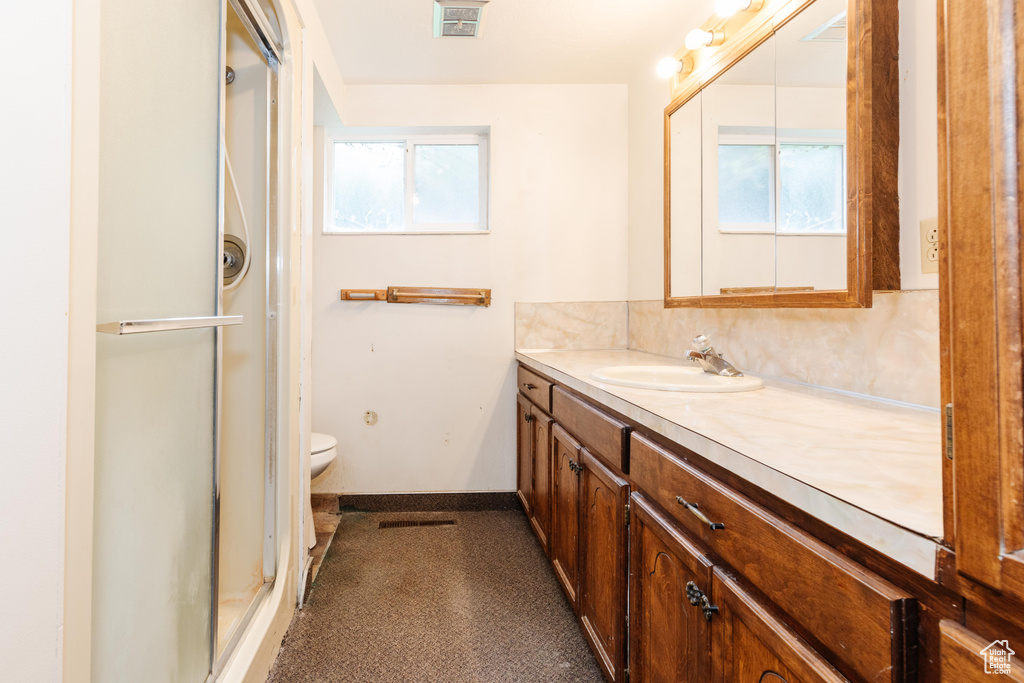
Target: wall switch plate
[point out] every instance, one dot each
(930, 245)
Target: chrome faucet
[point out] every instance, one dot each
(709, 359)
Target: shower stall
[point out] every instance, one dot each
(187, 364)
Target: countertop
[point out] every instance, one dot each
(871, 468)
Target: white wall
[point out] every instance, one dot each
(919, 136)
(35, 182)
(918, 180)
(442, 378)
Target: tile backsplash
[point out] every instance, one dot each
(583, 325)
(890, 350)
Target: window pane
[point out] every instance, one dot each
(369, 186)
(745, 184)
(447, 184)
(813, 196)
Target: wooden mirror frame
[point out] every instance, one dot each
(872, 143)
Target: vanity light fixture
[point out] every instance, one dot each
(698, 38)
(727, 8)
(670, 66)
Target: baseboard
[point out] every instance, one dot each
(428, 502)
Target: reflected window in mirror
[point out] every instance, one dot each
(812, 187)
(746, 183)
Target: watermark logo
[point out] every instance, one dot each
(997, 657)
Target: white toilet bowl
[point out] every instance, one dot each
(323, 451)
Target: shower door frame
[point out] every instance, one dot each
(263, 34)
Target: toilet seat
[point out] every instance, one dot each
(321, 442)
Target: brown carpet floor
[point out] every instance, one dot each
(472, 602)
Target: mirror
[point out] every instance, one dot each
(760, 207)
(738, 165)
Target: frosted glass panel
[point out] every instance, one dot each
(745, 186)
(158, 254)
(447, 184)
(813, 192)
(369, 186)
(243, 354)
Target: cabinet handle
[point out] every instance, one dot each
(695, 509)
(529, 386)
(528, 417)
(698, 598)
(574, 467)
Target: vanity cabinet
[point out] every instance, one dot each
(604, 498)
(749, 643)
(605, 436)
(540, 511)
(669, 638)
(861, 620)
(524, 453)
(533, 472)
(964, 653)
(565, 512)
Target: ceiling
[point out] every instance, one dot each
(523, 41)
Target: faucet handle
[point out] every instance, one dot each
(702, 344)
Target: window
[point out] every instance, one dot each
(424, 183)
(746, 188)
(794, 184)
(812, 188)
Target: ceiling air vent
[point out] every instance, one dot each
(458, 18)
(832, 31)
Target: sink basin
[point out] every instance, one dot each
(673, 378)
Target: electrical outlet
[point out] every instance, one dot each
(930, 245)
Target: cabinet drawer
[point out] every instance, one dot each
(537, 389)
(862, 621)
(605, 436)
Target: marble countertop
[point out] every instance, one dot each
(870, 468)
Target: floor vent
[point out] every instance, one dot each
(402, 523)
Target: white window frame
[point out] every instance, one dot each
(481, 227)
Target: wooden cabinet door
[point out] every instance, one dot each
(541, 511)
(603, 564)
(968, 658)
(980, 264)
(669, 638)
(565, 512)
(524, 453)
(750, 645)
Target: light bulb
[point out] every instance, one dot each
(669, 67)
(698, 38)
(727, 8)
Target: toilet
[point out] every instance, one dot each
(323, 451)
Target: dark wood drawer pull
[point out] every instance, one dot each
(529, 386)
(695, 509)
(697, 598)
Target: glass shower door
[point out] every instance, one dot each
(156, 381)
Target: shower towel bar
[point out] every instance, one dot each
(421, 295)
(167, 324)
(364, 295)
